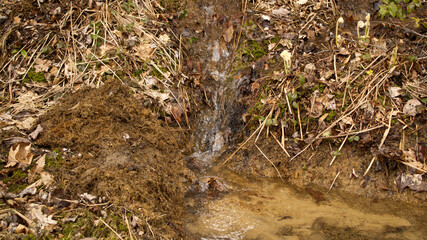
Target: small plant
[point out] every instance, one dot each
(287, 60)
(338, 37)
(193, 40)
(354, 138)
(395, 8)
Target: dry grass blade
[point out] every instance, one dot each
(362, 99)
(333, 182)
(118, 235)
(382, 141)
(342, 144)
(277, 170)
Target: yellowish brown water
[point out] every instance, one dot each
(266, 209)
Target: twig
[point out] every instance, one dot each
(335, 67)
(361, 99)
(353, 133)
(111, 229)
(289, 105)
(277, 170)
(300, 125)
(342, 144)
(127, 224)
(29, 221)
(264, 122)
(280, 144)
(243, 144)
(333, 182)
(382, 141)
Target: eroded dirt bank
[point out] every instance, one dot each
(120, 151)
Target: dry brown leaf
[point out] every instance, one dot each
(35, 213)
(228, 34)
(26, 124)
(347, 120)
(22, 229)
(46, 178)
(316, 110)
(36, 132)
(20, 154)
(161, 97)
(37, 169)
(144, 51)
(280, 12)
(164, 39)
(394, 91)
(410, 107)
(41, 65)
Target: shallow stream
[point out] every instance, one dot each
(270, 209)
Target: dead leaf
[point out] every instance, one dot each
(228, 34)
(35, 213)
(164, 39)
(27, 123)
(40, 162)
(22, 229)
(281, 12)
(347, 120)
(414, 182)
(316, 110)
(161, 97)
(89, 197)
(177, 112)
(16, 20)
(70, 68)
(106, 48)
(41, 65)
(28, 191)
(36, 132)
(20, 154)
(410, 107)
(46, 178)
(394, 91)
(144, 51)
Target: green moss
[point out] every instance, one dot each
(172, 5)
(34, 76)
(16, 181)
(54, 159)
(331, 116)
(276, 39)
(252, 50)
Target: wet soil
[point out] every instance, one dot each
(119, 151)
(251, 211)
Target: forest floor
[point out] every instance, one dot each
(104, 103)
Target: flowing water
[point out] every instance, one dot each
(229, 206)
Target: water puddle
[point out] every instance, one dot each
(269, 209)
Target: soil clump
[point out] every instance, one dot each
(119, 151)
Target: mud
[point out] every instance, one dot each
(313, 167)
(119, 151)
(251, 211)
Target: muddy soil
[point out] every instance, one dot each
(119, 151)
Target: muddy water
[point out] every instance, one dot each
(269, 209)
(224, 205)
